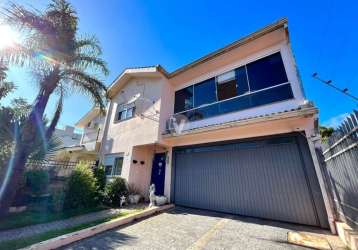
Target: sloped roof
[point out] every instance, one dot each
(158, 70)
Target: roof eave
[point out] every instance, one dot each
(129, 73)
(88, 117)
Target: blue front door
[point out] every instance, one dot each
(158, 173)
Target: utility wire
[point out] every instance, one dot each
(329, 83)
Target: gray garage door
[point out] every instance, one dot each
(270, 178)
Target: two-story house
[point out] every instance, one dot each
(88, 145)
(230, 132)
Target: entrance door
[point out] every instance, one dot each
(158, 173)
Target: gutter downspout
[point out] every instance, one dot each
(322, 184)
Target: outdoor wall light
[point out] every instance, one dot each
(142, 162)
(135, 161)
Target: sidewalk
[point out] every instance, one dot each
(28, 231)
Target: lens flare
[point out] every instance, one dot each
(10, 166)
(8, 37)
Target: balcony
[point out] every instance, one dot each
(91, 139)
(271, 95)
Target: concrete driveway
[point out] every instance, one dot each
(184, 228)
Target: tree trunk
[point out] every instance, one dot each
(23, 146)
(55, 119)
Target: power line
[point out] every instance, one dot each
(329, 83)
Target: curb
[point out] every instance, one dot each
(347, 235)
(88, 232)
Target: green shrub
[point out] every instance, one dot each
(38, 180)
(100, 175)
(115, 190)
(57, 199)
(81, 191)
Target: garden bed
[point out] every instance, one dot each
(27, 218)
(24, 242)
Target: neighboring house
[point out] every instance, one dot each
(68, 136)
(231, 132)
(87, 147)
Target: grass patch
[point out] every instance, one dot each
(23, 242)
(37, 217)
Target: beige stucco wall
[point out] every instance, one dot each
(143, 129)
(139, 174)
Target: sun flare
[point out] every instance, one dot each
(8, 37)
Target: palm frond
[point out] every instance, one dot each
(89, 46)
(18, 55)
(88, 85)
(22, 18)
(85, 61)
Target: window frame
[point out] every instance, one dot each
(123, 108)
(112, 164)
(249, 92)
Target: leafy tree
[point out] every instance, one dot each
(5, 86)
(325, 132)
(12, 119)
(62, 62)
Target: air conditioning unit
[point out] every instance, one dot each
(171, 125)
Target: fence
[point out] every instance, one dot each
(340, 154)
(57, 169)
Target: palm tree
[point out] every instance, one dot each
(62, 62)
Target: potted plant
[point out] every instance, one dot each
(134, 194)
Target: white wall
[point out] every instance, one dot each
(68, 136)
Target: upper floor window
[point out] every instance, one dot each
(204, 92)
(126, 111)
(183, 99)
(266, 72)
(257, 83)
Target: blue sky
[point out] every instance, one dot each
(323, 35)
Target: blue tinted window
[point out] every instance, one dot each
(204, 92)
(266, 72)
(183, 99)
(279, 93)
(241, 81)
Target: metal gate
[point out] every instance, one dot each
(271, 178)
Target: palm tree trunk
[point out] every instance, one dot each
(55, 119)
(23, 143)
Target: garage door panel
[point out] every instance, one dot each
(259, 179)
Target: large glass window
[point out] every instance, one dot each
(241, 81)
(266, 72)
(183, 99)
(204, 92)
(242, 88)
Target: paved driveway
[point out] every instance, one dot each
(184, 228)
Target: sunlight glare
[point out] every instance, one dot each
(8, 37)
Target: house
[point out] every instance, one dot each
(87, 147)
(231, 132)
(68, 136)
